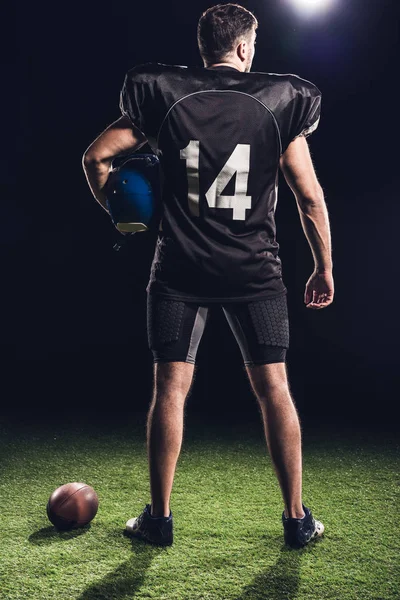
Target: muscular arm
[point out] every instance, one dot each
(121, 137)
(298, 170)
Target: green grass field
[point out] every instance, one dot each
(227, 510)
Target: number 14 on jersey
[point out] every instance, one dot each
(238, 162)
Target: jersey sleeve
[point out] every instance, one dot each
(304, 110)
(137, 101)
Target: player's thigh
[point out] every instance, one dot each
(174, 330)
(261, 329)
(173, 379)
(268, 379)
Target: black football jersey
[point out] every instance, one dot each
(219, 134)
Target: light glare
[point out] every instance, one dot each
(311, 6)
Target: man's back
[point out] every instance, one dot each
(220, 134)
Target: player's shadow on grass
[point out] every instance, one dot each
(127, 578)
(51, 535)
(279, 582)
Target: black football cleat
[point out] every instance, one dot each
(299, 532)
(156, 530)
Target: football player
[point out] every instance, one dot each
(222, 132)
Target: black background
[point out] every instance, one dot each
(74, 338)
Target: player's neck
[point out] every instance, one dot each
(225, 64)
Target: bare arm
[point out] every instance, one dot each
(297, 167)
(121, 137)
(298, 170)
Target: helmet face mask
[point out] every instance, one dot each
(133, 193)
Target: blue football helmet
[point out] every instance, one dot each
(133, 193)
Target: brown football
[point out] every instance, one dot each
(72, 505)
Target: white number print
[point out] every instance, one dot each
(192, 155)
(238, 162)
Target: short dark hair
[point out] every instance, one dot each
(220, 27)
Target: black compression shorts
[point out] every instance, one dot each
(175, 328)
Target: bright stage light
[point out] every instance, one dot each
(311, 6)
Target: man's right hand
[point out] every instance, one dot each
(319, 290)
